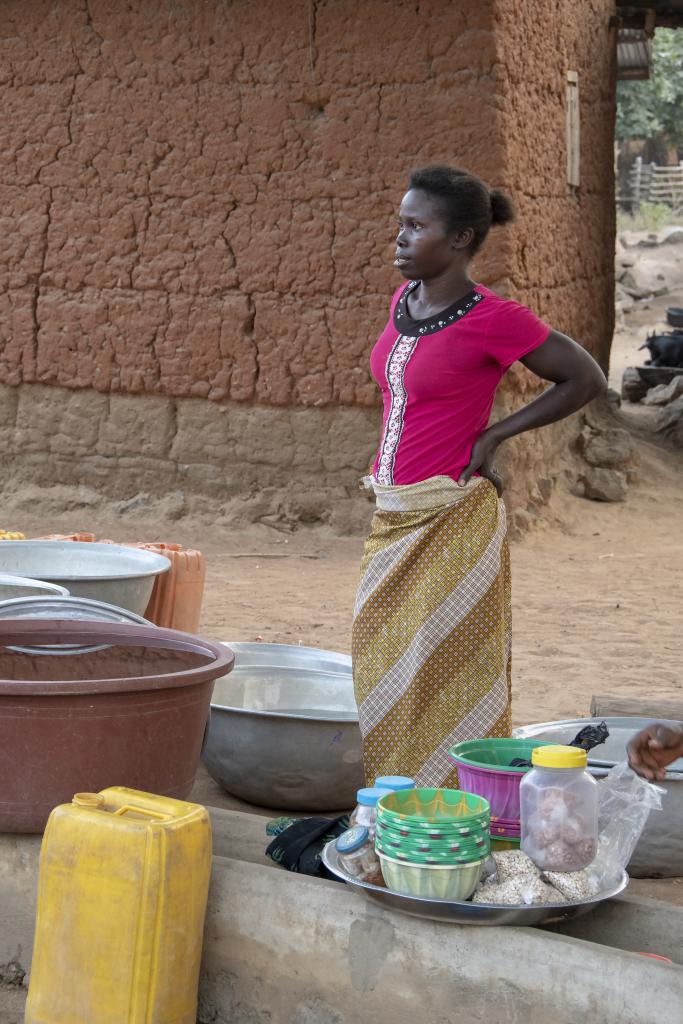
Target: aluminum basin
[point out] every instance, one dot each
(284, 729)
(659, 853)
(111, 573)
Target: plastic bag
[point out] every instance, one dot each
(624, 804)
(587, 738)
(591, 736)
(298, 846)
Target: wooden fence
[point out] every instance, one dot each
(650, 183)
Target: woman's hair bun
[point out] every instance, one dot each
(502, 210)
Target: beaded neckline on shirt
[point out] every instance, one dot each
(404, 323)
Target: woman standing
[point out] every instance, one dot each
(431, 633)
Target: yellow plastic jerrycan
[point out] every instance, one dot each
(124, 878)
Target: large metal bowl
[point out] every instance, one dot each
(284, 729)
(659, 853)
(111, 573)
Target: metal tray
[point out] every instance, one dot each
(457, 912)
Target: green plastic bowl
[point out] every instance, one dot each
(499, 845)
(455, 847)
(494, 754)
(416, 829)
(445, 809)
(429, 855)
(434, 833)
(452, 882)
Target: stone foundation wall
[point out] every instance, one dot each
(245, 463)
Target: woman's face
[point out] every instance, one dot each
(424, 246)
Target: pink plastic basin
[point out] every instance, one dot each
(483, 769)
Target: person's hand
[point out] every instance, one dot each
(653, 748)
(481, 459)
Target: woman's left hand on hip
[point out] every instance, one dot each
(481, 460)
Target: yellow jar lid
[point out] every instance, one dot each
(559, 757)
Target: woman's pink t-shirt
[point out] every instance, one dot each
(439, 378)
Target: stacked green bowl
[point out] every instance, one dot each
(423, 849)
(433, 842)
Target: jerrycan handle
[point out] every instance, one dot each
(141, 810)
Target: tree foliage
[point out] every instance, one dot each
(654, 108)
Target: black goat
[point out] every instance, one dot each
(665, 350)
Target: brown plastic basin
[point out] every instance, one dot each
(130, 714)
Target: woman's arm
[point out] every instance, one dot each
(577, 379)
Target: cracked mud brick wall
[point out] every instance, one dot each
(198, 201)
(559, 258)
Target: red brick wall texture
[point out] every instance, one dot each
(198, 197)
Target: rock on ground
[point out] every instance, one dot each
(633, 387)
(605, 484)
(662, 394)
(640, 281)
(671, 421)
(611, 447)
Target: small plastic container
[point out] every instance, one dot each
(357, 854)
(365, 812)
(559, 810)
(394, 782)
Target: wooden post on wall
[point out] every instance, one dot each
(573, 130)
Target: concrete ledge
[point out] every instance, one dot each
(286, 949)
(634, 924)
(18, 895)
(283, 948)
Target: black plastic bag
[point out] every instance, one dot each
(298, 848)
(587, 738)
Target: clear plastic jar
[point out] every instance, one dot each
(356, 851)
(365, 812)
(559, 810)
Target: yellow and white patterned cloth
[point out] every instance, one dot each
(431, 630)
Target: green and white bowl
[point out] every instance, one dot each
(411, 834)
(442, 812)
(429, 881)
(443, 859)
(430, 851)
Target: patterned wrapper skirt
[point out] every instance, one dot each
(431, 630)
